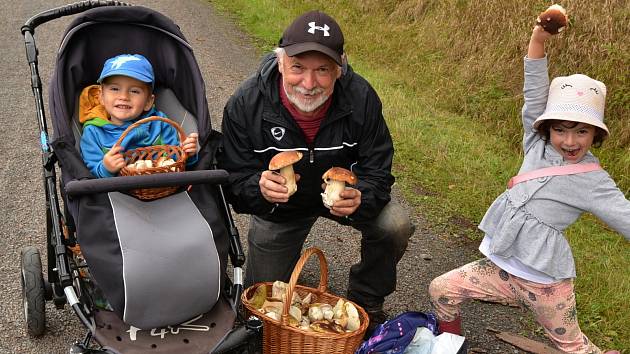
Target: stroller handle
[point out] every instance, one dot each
(111, 184)
(66, 10)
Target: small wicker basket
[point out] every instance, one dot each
(153, 153)
(280, 338)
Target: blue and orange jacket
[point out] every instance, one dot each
(99, 135)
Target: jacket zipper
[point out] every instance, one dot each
(311, 150)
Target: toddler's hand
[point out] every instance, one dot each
(114, 160)
(190, 144)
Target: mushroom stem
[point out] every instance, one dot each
(331, 193)
(289, 175)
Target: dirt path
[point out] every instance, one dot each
(226, 57)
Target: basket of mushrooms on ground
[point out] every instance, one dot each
(312, 321)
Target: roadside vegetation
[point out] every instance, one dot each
(449, 74)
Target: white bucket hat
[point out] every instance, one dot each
(576, 98)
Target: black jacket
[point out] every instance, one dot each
(354, 135)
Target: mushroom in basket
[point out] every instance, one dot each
(305, 313)
(284, 163)
(162, 161)
(336, 179)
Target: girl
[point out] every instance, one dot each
(528, 259)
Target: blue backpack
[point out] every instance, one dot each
(393, 336)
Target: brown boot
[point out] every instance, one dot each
(454, 326)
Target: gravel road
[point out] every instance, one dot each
(226, 57)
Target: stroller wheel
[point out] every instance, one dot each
(33, 291)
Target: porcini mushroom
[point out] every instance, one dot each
(336, 179)
(284, 163)
(554, 19)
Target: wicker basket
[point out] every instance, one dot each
(280, 338)
(153, 153)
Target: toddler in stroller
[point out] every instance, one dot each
(124, 96)
(161, 264)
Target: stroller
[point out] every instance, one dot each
(157, 277)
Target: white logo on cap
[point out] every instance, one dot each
(278, 133)
(118, 62)
(313, 27)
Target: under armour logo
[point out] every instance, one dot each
(324, 29)
(118, 62)
(278, 133)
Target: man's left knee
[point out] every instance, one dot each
(395, 222)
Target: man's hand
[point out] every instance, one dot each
(114, 160)
(272, 187)
(348, 204)
(190, 144)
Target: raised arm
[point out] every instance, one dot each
(536, 85)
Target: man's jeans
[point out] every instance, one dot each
(274, 249)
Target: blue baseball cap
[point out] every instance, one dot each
(133, 65)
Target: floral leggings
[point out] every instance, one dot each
(552, 304)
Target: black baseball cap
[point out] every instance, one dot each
(316, 31)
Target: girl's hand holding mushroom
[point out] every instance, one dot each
(549, 23)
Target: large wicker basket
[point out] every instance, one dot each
(280, 338)
(153, 153)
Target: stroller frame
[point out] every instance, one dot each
(64, 284)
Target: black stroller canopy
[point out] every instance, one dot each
(101, 33)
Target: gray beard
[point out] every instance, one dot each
(302, 106)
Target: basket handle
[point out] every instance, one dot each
(323, 278)
(180, 131)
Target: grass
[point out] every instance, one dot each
(449, 74)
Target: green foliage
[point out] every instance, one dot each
(255, 16)
(449, 73)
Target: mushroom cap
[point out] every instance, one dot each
(284, 159)
(554, 19)
(340, 174)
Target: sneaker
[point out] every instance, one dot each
(377, 317)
